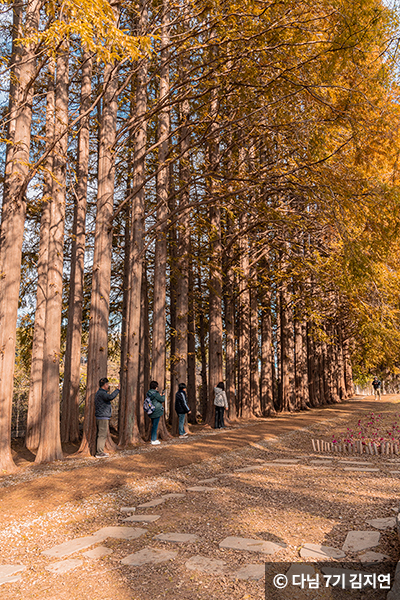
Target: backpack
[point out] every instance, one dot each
(148, 406)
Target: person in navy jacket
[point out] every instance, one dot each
(181, 408)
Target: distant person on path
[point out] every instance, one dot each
(102, 404)
(221, 403)
(181, 408)
(158, 401)
(376, 384)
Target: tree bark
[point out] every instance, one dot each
(36, 376)
(267, 380)
(158, 363)
(101, 277)
(50, 442)
(244, 331)
(12, 228)
(287, 350)
(182, 272)
(72, 359)
(254, 347)
(130, 432)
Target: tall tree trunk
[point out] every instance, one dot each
(50, 441)
(254, 347)
(215, 282)
(36, 376)
(229, 318)
(347, 368)
(183, 248)
(340, 359)
(125, 317)
(191, 383)
(101, 277)
(203, 349)
(287, 350)
(244, 331)
(162, 187)
(129, 435)
(72, 360)
(267, 380)
(144, 354)
(12, 228)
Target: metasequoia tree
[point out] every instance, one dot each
(32, 436)
(50, 442)
(13, 220)
(130, 432)
(72, 359)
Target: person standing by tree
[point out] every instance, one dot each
(221, 402)
(376, 384)
(181, 408)
(158, 401)
(102, 402)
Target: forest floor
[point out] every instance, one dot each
(289, 504)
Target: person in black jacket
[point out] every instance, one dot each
(181, 408)
(102, 404)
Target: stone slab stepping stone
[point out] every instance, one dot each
(299, 569)
(286, 460)
(248, 469)
(72, 546)
(361, 469)
(148, 556)
(239, 543)
(63, 566)
(272, 464)
(356, 541)
(98, 552)
(201, 488)
(206, 565)
(372, 557)
(211, 480)
(142, 518)
(394, 472)
(322, 456)
(120, 533)
(321, 463)
(385, 523)
(173, 496)
(179, 538)
(127, 509)
(8, 573)
(320, 552)
(355, 462)
(152, 503)
(254, 572)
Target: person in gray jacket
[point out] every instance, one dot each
(221, 403)
(102, 404)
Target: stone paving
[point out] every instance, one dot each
(359, 542)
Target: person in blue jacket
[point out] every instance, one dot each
(158, 400)
(181, 408)
(102, 404)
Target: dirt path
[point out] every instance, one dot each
(75, 479)
(259, 483)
